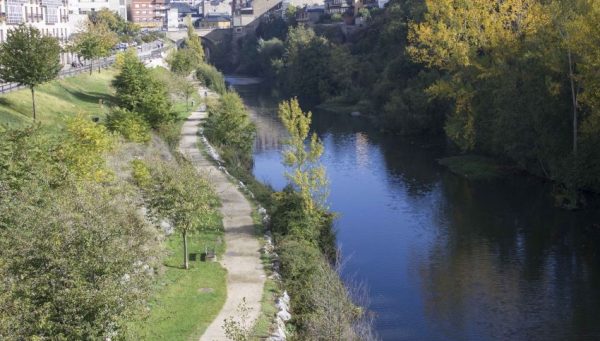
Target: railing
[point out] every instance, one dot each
(72, 71)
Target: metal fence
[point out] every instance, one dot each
(72, 71)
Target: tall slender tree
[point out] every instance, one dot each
(307, 175)
(29, 58)
(193, 42)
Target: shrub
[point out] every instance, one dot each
(77, 262)
(141, 173)
(140, 91)
(170, 132)
(26, 155)
(211, 78)
(322, 306)
(129, 124)
(83, 149)
(229, 127)
(182, 61)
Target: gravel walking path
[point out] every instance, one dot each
(245, 274)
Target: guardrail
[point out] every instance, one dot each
(72, 71)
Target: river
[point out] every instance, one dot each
(443, 257)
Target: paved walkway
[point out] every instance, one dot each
(245, 274)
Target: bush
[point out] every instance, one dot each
(182, 61)
(77, 262)
(211, 78)
(138, 90)
(322, 306)
(26, 155)
(229, 127)
(141, 173)
(83, 149)
(170, 132)
(129, 124)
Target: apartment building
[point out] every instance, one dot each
(51, 17)
(149, 13)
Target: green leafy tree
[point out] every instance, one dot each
(94, 41)
(182, 61)
(183, 197)
(186, 89)
(307, 175)
(140, 91)
(229, 127)
(193, 42)
(125, 29)
(29, 58)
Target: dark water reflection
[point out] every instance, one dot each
(446, 258)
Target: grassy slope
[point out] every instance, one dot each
(182, 307)
(58, 99)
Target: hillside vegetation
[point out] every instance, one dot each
(516, 80)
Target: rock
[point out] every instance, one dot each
(284, 315)
(355, 113)
(166, 227)
(281, 305)
(285, 297)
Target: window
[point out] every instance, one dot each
(52, 15)
(137, 5)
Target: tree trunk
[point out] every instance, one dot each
(187, 102)
(91, 66)
(33, 101)
(574, 99)
(186, 264)
(99, 65)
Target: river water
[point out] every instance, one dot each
(443, 257)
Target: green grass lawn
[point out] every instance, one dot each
(186, 301)
(59, 99)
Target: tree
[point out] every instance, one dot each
(95, 41)
(183, 197)
(120, 26)
(29, 58)
(193, 42)
(186, 88)
(140, 91)
(182, 61)
(78, 259)
(230, 128)
(307, 174)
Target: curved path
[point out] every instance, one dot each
(245, 274)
